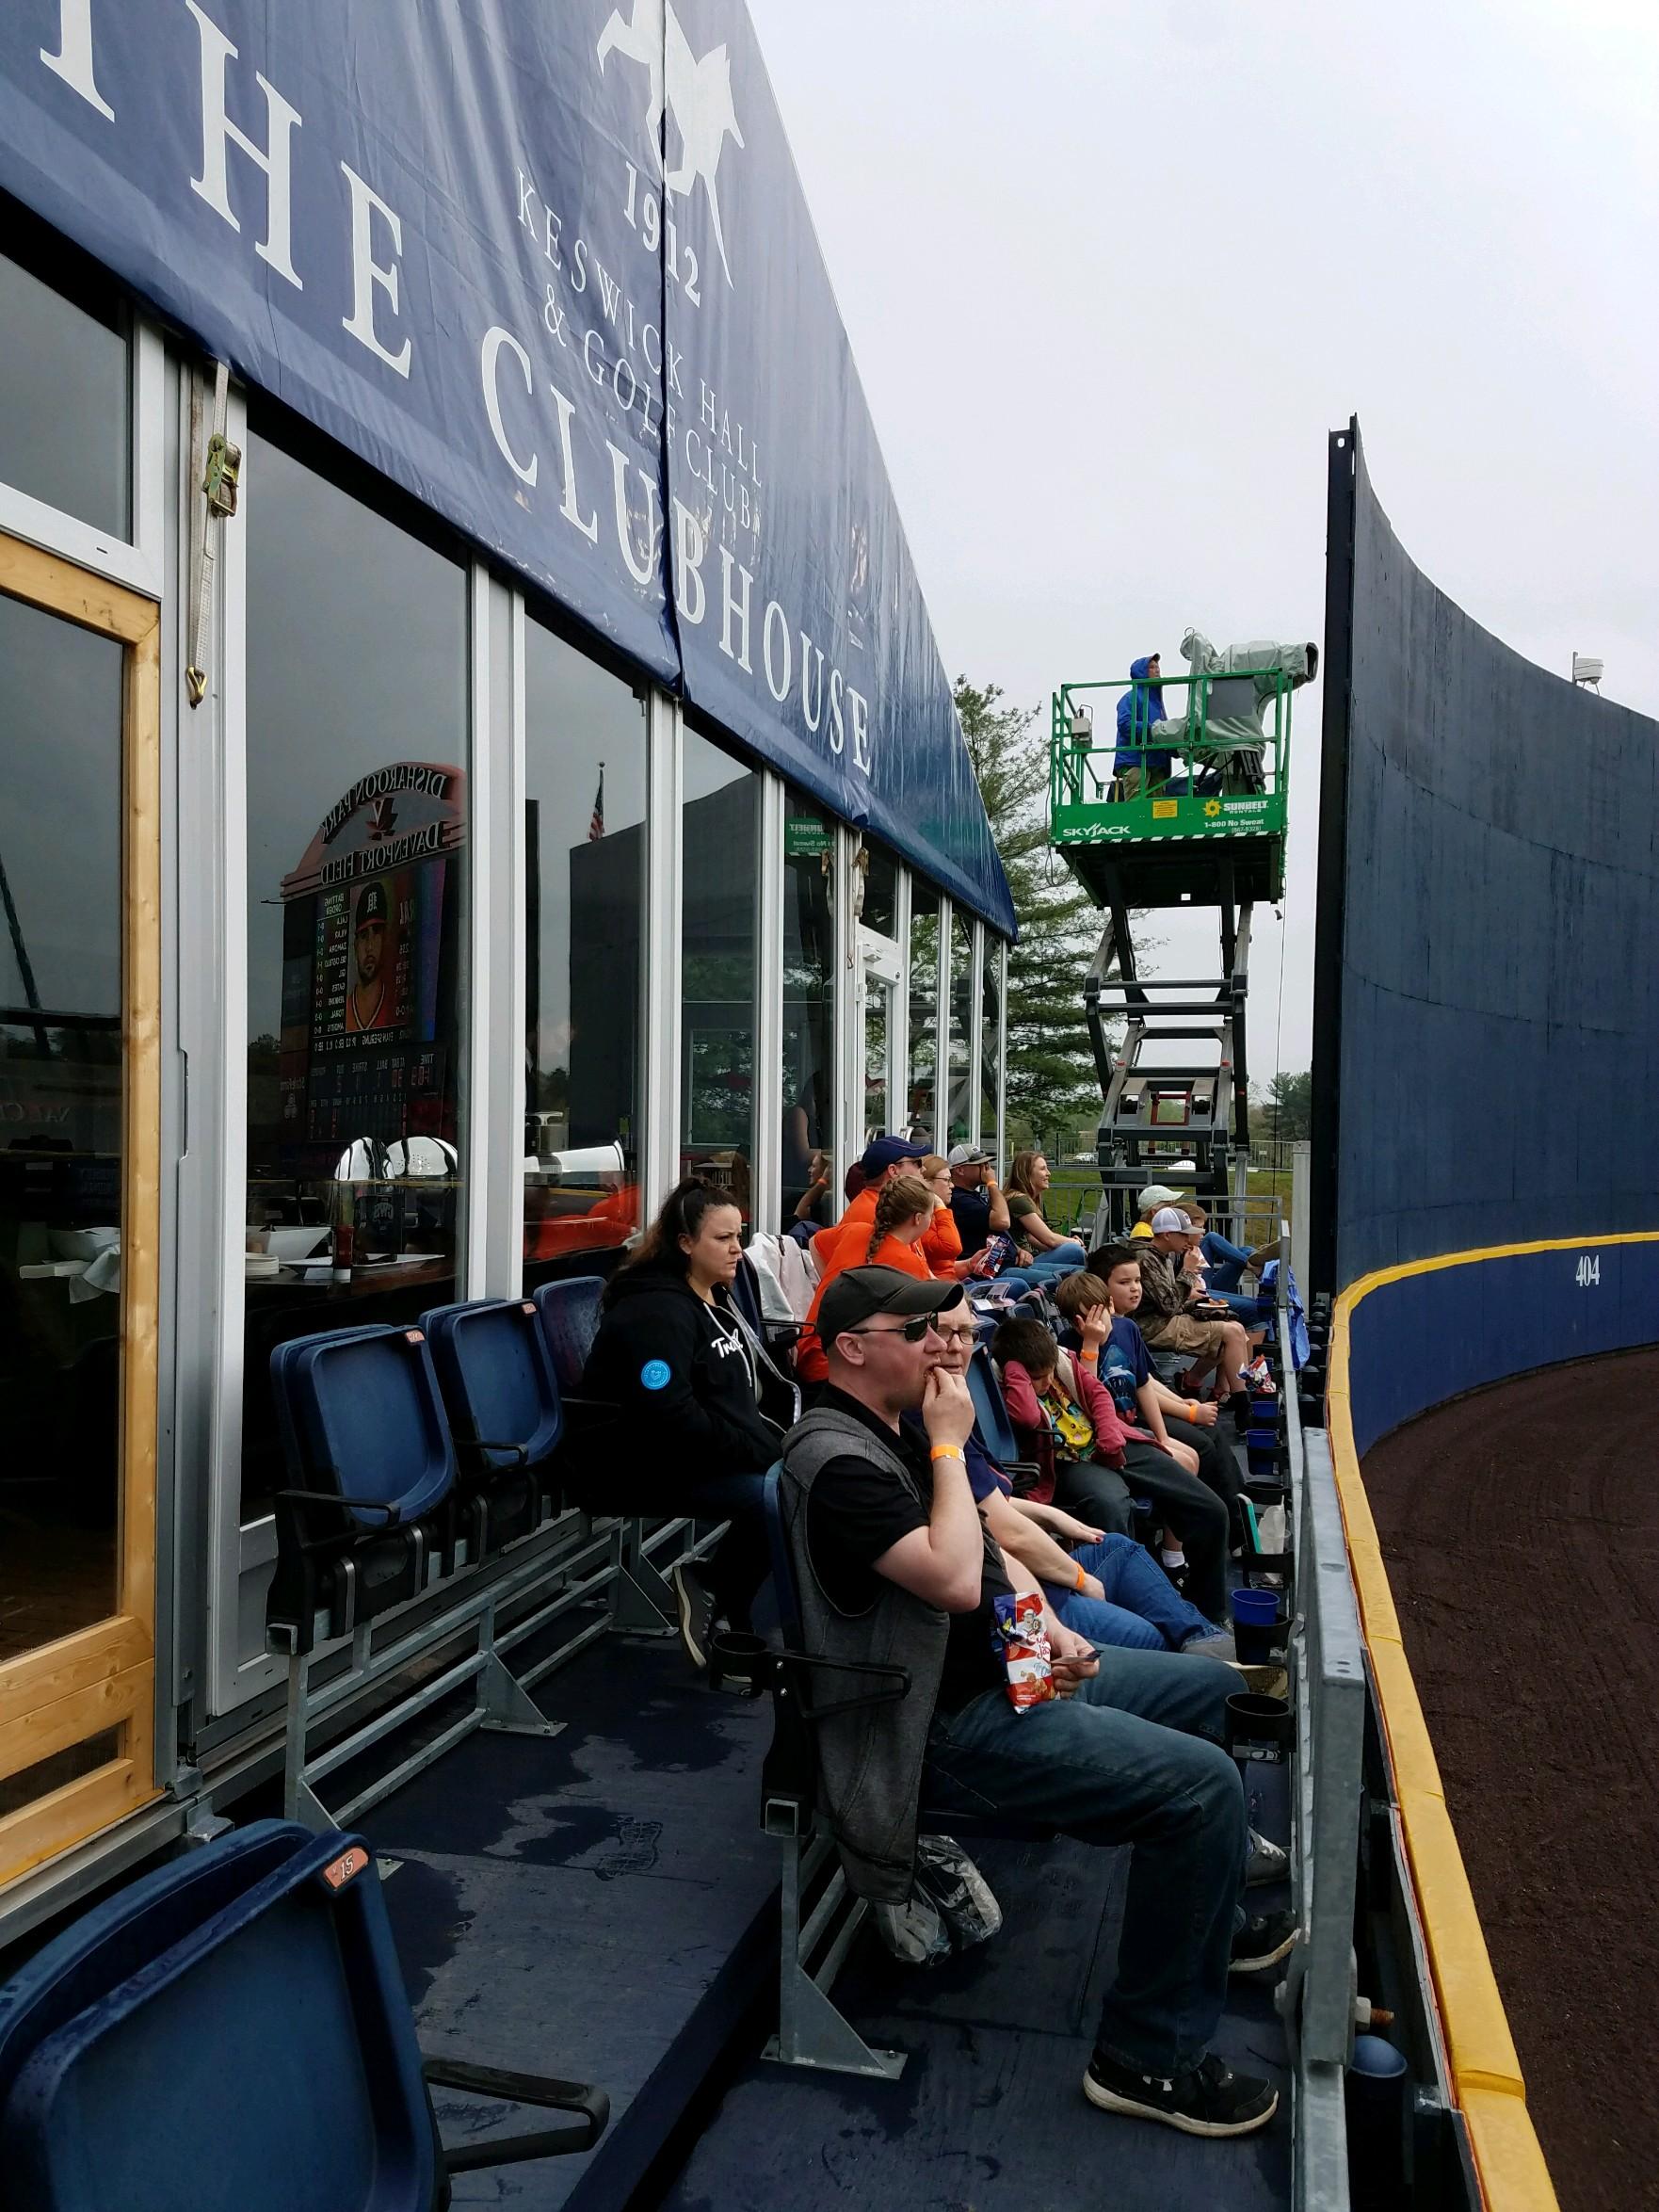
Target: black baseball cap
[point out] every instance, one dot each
(858, 1292)
(371, 904)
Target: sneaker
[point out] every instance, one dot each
(696, 1602)
(1267, 1862)
(1209, 2100)
(1261, 1942)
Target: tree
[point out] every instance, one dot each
(1287, 1109)
(1051, 1087)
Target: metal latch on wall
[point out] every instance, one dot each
(220, 479)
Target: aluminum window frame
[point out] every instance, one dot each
(241, 1553)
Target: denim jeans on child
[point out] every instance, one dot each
(1134, 1757)
(1142, 1611)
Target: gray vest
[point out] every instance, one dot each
(869, 1761)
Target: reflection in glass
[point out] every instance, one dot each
(961, 1017)
(878, 1050)
(923, 1014)
(357, 886)
(585, 879)
(990, 1040)
(60, 1126)
(809, 1013)
(716, 1014)
(65, 422)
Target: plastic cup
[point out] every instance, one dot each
(1254, 1608)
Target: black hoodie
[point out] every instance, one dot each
(683, 1374)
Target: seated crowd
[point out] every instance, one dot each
(913, 1546)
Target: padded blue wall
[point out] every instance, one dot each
(1429, 1337)
(1498, 999)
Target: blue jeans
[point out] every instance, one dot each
(1224, 1261)
(1142, 1610)
(1135, 1758)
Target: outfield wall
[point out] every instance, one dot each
(1487, 991)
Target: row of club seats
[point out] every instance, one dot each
(232, 2032)
(415, 1450)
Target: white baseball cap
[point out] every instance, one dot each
(1171, 1218)
(1157, 1194)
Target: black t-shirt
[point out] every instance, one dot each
(971, 1209)
(855, 1512)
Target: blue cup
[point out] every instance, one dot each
(1256, 1608)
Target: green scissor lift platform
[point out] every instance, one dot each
(1208, 830)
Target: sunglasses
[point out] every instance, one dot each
(912, 1332)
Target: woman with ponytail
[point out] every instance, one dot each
(904, 1214)
(702, 1410)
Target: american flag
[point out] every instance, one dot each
(596, 823)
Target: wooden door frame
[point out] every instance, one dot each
(104, 1676)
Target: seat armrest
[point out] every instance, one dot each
(520, 2089)
(394, 1512)
(894, 1681)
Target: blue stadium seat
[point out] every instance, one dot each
(371, 1466)
(496, 1377)
(570, 1321)
(232, 2032)
(990, 1412)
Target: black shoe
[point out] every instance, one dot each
(696, 1602)
(1261, 1942)
(1210, 2100)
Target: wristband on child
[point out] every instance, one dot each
(1081, 1577)
(1192, 1409)
(949, 1451)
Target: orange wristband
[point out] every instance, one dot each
(949, 1451)
(1081, 1577)
(1192, 1409)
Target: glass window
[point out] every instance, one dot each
(990, 1041)
(924, 1013)
(585, 877)
(357, 887)
(60, 1126)
(721, 817)
(65, 414)
(809, 1013)
(961, 1018)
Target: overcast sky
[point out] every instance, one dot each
(1111, 272)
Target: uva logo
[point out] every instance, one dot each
(698, 95)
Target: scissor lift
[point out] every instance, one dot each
(1209, 833)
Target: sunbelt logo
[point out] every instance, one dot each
(696, 94)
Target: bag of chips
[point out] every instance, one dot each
(1023, 1645)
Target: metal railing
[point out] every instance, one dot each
(1211, 738)
(1328, 1661)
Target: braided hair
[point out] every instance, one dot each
(901, 1199)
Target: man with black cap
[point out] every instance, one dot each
(895, 1569)
(369, 1006)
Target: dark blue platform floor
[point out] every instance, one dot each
(988, 2115)
(600, 1905)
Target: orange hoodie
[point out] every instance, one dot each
(810, 1363)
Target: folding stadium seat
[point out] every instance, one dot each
(369, 1455)
(990, 1413)
(569, 1312)
(232, 2032)
(495, 1374)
